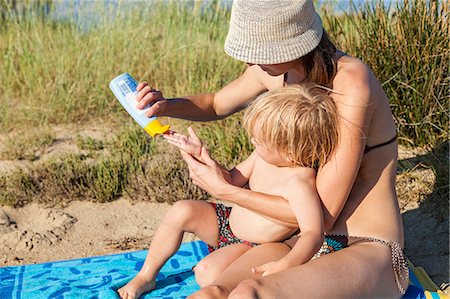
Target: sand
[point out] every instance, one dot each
(35, 234)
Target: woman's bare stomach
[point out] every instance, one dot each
(377, 215)
(252, 227)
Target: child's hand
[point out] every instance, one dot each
(272, 267)
(191, 145)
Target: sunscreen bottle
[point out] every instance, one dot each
(124, 88)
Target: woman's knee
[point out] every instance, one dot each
(205, 273)
(210, 292)
(250, 288)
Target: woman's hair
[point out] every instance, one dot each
(298, 121)
(320, 63)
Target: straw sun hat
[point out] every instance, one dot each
(272, 31)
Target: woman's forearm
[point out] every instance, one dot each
(274, 207)
(197, 108)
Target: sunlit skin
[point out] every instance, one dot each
(265, 171)
(280, 68)
(148, 95)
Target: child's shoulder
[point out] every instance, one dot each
(303, 172)
(300, 176)
(302, 181)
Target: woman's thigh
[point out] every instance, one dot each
(361, 271)
(241, 268)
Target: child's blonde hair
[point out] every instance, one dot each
(298, 121)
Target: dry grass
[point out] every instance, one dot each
(26, 145)
(406, 46)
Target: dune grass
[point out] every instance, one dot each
(406, 46)
(56, 72)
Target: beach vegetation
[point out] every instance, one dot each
(55, 74)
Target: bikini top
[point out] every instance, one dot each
(369, 148)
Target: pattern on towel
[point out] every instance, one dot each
(100, 277)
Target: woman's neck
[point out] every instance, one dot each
(296, 74)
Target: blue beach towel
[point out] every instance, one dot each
(421, 286)
(100, 277)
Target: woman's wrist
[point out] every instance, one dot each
(232, 194)
(271, 206)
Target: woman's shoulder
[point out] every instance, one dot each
(349, 67)
(354, 76)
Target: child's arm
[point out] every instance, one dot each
(241, 173)
(191, 145)
(305, 203)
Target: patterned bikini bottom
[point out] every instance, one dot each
(333, 243)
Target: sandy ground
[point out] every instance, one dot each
(34, 234)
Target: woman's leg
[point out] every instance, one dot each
(197, 217)
(240, 270)
(363, 270)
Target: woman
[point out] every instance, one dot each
(283, 42)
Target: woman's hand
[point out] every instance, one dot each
(272, 267)
(149, 96)
(208, 174)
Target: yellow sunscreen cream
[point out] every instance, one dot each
(124, 88)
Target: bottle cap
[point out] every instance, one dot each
(155, 128)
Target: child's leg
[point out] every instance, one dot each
(211, 266)
(197, 217)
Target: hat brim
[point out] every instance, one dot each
(274, 52)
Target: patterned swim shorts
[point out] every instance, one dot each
(226, 236)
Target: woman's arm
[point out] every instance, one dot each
(355, 106)
(192, 145)
(205, 106)
(210, 177)
(274, 207)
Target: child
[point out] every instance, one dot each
(294, 131)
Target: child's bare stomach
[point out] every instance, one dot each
(252, 227)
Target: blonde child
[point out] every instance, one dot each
(294, 131)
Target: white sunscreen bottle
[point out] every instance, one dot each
(124, 88)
